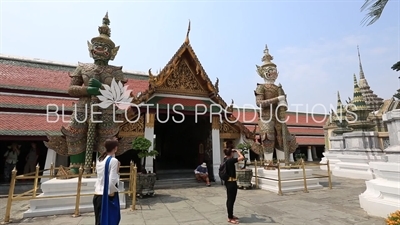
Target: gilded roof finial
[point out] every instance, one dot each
(362, 76)
(266, 59)
(187, 34)
(104, 33)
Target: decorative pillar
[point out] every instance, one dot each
(314, 152)
(291, 159)
(149, 134)
(216, 146)
(57, 160)
(309, 154)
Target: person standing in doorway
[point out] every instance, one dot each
(107, 211)
(31, 159)
(230, 184)
(11, 160)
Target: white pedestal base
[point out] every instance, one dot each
(355, 166)
(65, 205)
(332, 157)
(382, 196)
(268, 180)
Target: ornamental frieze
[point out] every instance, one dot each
(133, 129)
(228, 130)
(182, 80)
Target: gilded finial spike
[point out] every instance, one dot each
(187, 34)
(266, 59)
(362, 76)
(106, 20)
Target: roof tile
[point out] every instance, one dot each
(38, 78)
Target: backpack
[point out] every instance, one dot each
(222, 171)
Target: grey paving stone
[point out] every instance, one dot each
(206, 205)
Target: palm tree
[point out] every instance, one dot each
(375, 8)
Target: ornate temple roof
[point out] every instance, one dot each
(358, 98)
(25, 92)
(372, 100)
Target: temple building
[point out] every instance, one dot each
(376, 105)
(32, 89)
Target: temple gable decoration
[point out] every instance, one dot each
(184, 75)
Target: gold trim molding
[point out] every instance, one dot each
(216, 122)
(228, 130)
(133, 129)
(150, 120)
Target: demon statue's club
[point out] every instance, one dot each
(82, 136)
(272, 101)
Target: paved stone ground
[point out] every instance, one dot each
(206, 205)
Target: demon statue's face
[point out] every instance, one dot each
(99, 51)
(268, 73)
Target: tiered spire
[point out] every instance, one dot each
(358, 98)
(361, 110)
(340, 111)
(372, 100)
(340, 119)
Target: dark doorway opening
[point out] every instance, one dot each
(181, 142)
(24, 149)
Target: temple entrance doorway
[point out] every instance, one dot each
(181, 142)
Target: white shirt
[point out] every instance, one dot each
(113, 176)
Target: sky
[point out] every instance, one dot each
(314, 43)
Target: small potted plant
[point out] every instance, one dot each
(243, 174)
(393, 218)
(145, 182)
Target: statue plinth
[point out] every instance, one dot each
(292, 180)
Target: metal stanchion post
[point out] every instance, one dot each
(329, 174)
(78, 192)
(279, 180)
(52, 170)
(256, 173)
(133, 207)
(10, 196)
(304, 176)
(35, 182)
(130, 179)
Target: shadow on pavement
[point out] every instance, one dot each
(256, 219)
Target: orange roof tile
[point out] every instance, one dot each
(318, 139)
(137, 85)
(24, 123)
(33, 77)
(310, 140)
(33, 101)
(39, 78)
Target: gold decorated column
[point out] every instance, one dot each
(150, 118)
(149, 134)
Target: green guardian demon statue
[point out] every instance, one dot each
(83, 136)
(272, 102)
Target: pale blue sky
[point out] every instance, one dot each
(314, 43)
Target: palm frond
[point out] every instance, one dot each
(375, 8)
(396, 66)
